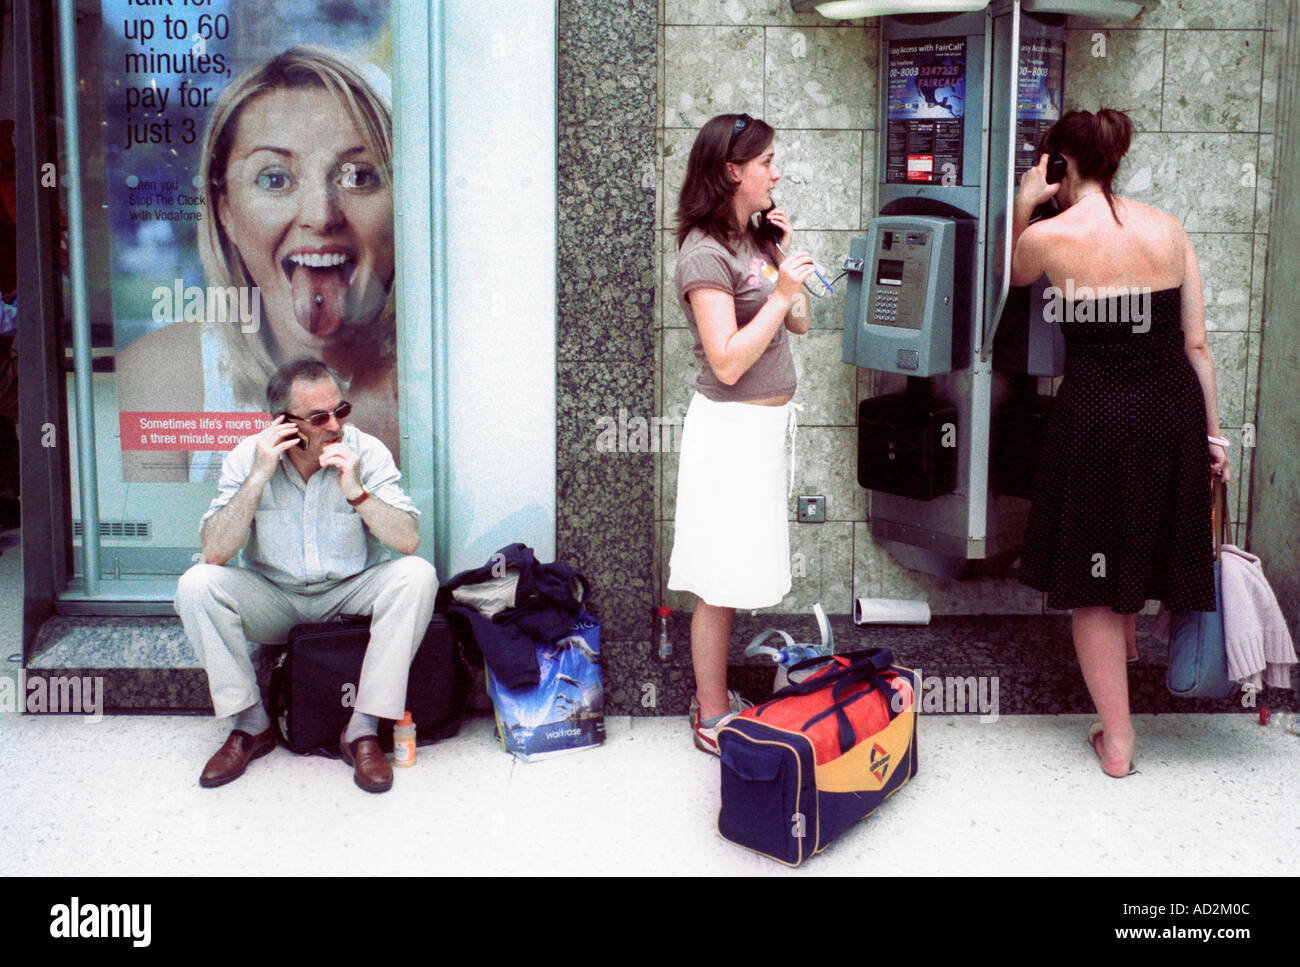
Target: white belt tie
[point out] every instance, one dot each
(794, 410)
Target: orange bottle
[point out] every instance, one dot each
(404, 742)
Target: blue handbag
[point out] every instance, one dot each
(1198, 658)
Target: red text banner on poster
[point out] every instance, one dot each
(188, 431)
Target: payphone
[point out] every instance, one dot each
(911, 316)
(964, 101)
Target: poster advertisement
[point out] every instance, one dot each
(1038, 97)
(248, 155)
(926, 97)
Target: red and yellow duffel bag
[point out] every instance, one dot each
(819, 756)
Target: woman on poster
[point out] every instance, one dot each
(297, 164)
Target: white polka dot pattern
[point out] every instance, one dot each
(1121, 510)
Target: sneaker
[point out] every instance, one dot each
(737, 702)
(706, 736)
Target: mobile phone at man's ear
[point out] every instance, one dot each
(302, 437)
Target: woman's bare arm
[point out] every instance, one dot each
(731, 350)
(1196, 344)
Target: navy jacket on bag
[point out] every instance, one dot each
(547, 601)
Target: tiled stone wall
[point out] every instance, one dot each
(1199, 78)
(605, 355)
(1275, 492)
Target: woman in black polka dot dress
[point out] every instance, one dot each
(1121, 510)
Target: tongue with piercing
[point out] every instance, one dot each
(318, 298)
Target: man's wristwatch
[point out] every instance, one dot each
(357, 501)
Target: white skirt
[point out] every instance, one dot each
(731, 544)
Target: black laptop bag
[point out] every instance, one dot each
(315, 682)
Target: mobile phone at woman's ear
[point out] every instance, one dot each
(1056, 168)
(765, 230)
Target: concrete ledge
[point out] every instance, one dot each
(148, 665)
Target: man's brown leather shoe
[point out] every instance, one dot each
(234, 756)
(371, 769)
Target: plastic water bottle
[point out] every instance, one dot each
(665, 644)
(793, 654)
(1283, 720)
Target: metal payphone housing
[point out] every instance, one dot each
(968, 530)
(909, 316)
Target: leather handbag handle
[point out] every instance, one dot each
(1220, 521)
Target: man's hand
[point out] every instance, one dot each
(279, 436)
(342, 456)
(395, 528)
(226, 531)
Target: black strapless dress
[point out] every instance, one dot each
(1121, 510)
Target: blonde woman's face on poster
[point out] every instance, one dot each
(312, 219)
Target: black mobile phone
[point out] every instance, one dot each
(765, 230)
(1056, 168)
(302, 437)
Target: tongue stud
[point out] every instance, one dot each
(319, 299)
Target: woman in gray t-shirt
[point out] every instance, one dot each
(731, 540)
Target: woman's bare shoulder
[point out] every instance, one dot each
(1149, 214)
(162, 370)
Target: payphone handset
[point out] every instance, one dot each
(909, 293)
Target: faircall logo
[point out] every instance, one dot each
(107, 921)
(950, 695)
(879, 762)
(57, 694)
(1121, 303)
(241, 303)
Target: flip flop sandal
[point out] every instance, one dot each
(1095, 733)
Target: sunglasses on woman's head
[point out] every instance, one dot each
(339, 412)
(742, 122)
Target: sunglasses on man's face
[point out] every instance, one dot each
(339, 412)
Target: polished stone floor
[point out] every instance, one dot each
(1019, 795)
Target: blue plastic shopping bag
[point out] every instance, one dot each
(565, 712)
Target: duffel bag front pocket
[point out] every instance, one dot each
(761, 807)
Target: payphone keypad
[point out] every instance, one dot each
(886, 308)
(900, 271)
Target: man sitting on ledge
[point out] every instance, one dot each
(315, 520)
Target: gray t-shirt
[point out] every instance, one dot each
(704, 263)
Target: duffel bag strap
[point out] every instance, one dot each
(855, 667)
(756, 647)
(848, 734)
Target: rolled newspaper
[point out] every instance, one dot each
(890, 611)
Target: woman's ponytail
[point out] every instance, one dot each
(1096, 142)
